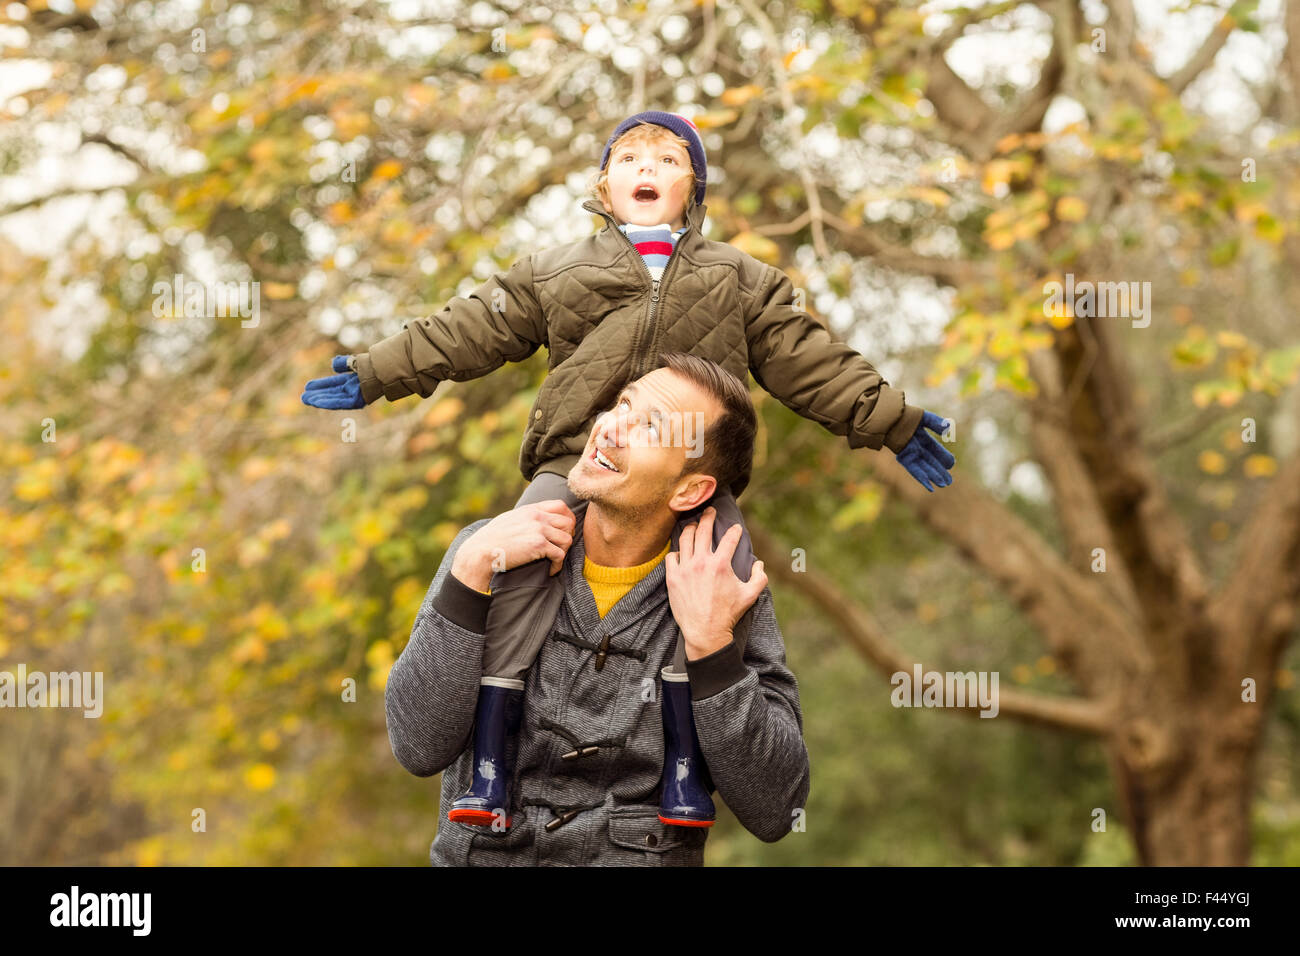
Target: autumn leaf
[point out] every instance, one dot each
(260, 776)
(715, 118)
(740, 95)
(1211, 462)
(760, 247)
(388, 169)
(1071, 209)
(279, 290)
(1259, 466)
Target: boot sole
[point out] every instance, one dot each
(685, 823)
(476, 818)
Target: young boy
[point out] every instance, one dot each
(606, 307)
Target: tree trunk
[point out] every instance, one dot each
(1187, 783)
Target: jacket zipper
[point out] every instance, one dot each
(654, 299)
(650, 330)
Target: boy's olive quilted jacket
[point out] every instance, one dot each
(604, 323)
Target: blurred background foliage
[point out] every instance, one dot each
(231, 560)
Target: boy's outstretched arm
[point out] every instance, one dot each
(794, 357)
(500, 321)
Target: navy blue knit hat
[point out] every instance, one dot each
(682, 127)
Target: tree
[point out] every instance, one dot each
(362, 171)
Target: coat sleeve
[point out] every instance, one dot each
(795, 358)
(432, 691)
(500, 321)
(751, 729)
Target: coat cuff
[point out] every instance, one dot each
(371, 388)
(461, 604)
(716, 672)
(897, 437)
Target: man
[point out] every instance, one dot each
(588, 761)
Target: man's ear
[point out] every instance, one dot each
(692, 491)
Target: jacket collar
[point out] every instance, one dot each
(694, 216)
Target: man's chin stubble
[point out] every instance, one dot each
(621, 513)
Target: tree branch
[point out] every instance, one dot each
(1203, 57)
(1256, 604)
(860, 629)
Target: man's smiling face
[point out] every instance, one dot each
(647, 182)
(634, 456)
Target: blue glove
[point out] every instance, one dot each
(337, 391)
(925, 458)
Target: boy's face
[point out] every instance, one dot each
(647, 183)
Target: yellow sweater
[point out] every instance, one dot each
(608, 585)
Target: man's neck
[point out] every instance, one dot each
(613, 540)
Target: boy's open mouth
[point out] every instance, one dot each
(645, 193)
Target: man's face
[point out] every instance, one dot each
(657, 422)
(647, 183)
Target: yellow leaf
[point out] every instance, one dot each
(935, 197)
(379, 653)
(1007, 143)
(740, 95)
(250, 648)
(1211, 462)
(1000, 239)
(1071, 209)
(997, 172)
(447, 410)
(437, 471)
(715, 118)
(262, 150)
(1002, 345)
(1270, 229)
(760, 247)
(256, 468)
(1232, 340)
(260, 776)
(1260, 466)
(1035, 339)
(280, 290)
(388, 169)
(421, 94)
(1248, 211)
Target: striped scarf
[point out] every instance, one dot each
(655, 243)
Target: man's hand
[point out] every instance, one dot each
(541, 530)
(706, 596)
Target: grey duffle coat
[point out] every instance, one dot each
(746, 714)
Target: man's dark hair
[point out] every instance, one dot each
(728, 445)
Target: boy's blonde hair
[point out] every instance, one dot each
(640, 134)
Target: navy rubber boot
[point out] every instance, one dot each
(686, 801)
(497, 717)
